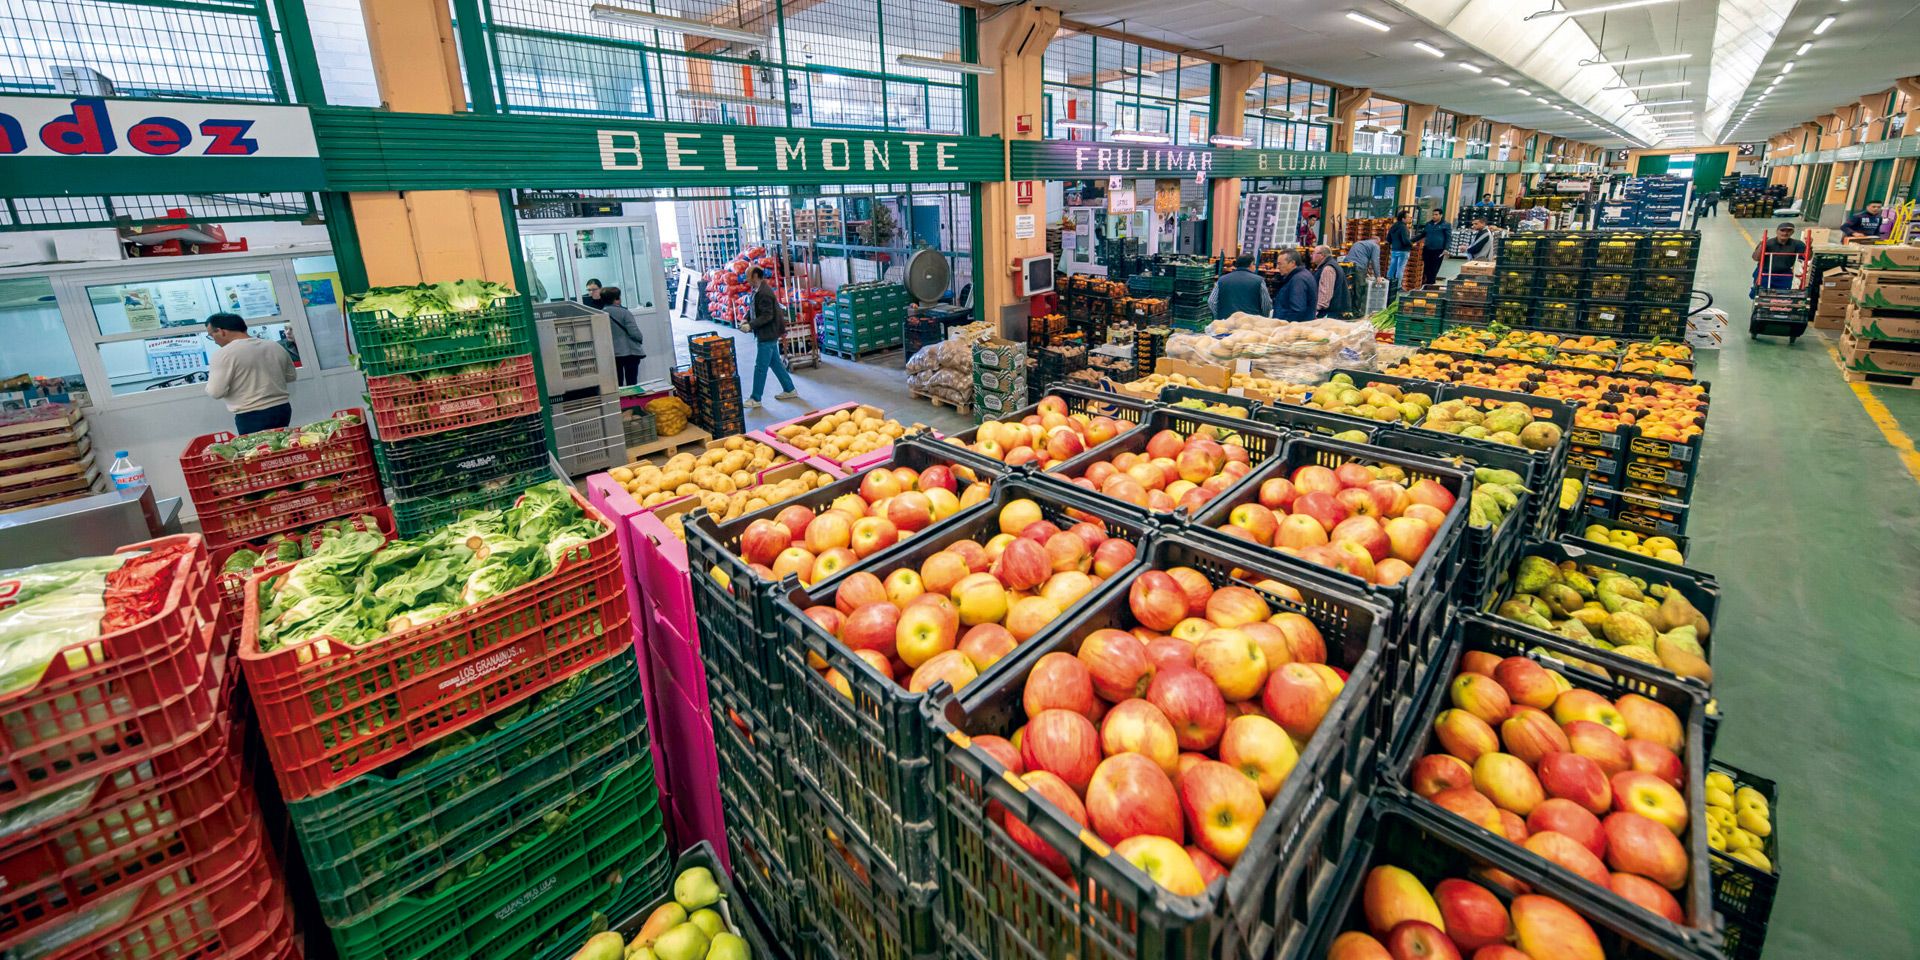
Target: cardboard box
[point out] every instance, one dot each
(1890, 257)
(1864, 324)
(1860, 356)
(997, 354)
(1477, 268)
(1822, 321)
(1887, 289)
(1707, 330)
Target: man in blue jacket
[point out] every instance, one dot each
(1399, 245)
(1299, 295)
(1438, 234)
(1240, 290)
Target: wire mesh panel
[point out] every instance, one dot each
(1095, 87)
(34, 213)
(218, 49)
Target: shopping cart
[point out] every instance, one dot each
(1781, 302)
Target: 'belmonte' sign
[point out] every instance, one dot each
(787, 152)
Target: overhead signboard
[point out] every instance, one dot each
(83, 146)
(1085, 159)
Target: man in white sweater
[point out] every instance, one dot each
(250, 375)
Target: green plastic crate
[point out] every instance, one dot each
(385, 345)
(383, 835)
(610, 859)
(417, 515)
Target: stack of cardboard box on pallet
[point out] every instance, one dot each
(1881, 341)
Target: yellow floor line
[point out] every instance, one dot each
(1876, 411)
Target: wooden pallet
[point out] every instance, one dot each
(940, 401)
(669, 445)
(1883, 380)
(858, 355)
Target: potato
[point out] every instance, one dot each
(685, 490)
(620, 475)
(755, 504)
(721, 483)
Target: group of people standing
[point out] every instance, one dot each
(1312, 288)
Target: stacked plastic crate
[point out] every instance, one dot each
(132, 828)
(477, 786)
(716, 385)
(999, 378)
(864, 318)
(456, 408)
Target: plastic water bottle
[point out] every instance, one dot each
(126, 474)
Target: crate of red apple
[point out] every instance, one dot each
(1179, 459)
(1595, 774)
(1420, 886)
(1188, 743)
(1064, 424)
(933, 615)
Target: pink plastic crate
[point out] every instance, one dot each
(762, 436)
(850, 467)
(692, 767)
(613, 502)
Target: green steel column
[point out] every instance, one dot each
(303, 64)
(474, 39)
(347, 258)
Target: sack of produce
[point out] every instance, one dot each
(669, 415)
(49, 607)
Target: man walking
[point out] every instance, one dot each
(1437, 234)
(1326, 277)
(1298, 297)
(1776, 256)
(769, 322)
(1399, 247)
(627, 352)
(1240, 290)
(250, 375)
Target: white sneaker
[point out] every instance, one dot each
(787, 395)
(751, 404)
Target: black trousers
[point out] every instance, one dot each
(627, 369)
(1430, 261)
(271, 418)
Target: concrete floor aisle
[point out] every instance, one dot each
(1810, 519)
(880, 380)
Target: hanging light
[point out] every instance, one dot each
(711, 96)
(1229, 140)
(1138, 136)
(936, 63)
(607, 13)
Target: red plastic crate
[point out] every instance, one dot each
(210, 479)
(230, 585)
(331, 711)
(112, 700)
(227, 904)
(406, 407)
(238, 521)
(53, 874)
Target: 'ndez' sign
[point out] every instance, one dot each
(64, 146)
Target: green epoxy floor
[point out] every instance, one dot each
(1812, 525)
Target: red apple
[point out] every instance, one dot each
(831, 562)
(1469, 805)
(1481, 696)
(1236, 606)
(872, 627)
(1546, 929)
(1222, 809)
(1039, 531)
(795, 518)
(1131, 796)
(986, 643)
(1418, 940)
(1571, 819)
(1365, 531)
(1599, 744)
(950, 667)
(1063, 743)
(1649, 796)
(1571, 776)
(1297, 697)
(1313, 478)
(1358, 501)
(829, 530)
(1195, 585)
(1648, 896)
(904, 585)
(1439, 771)
(1431, 493)
(1569, 853)
(1527, 682)
(1304, 639)
(763, 540)
(1166, 443)
(1530, 734)
(981, 599)
(1210, 869)
(1464, 735)
(1118, 664)
(879, 484)
(1277, 493)
(1321, 507)
(1168, 652)
(1638, 845)
(1391, 896)
(1057, 792)
(1256, 520)
(938, 477)
(827, 617)
(1022, 565)
(1392, 498)
(910, 511)
(1090, 533)
(1650, 720)
(1408, 538)
(1192, 704)
(1508, 782)
(794, 562)
(926, 630)
(1137, 726)
(1112, 556)
(1299, 531)
(1650, 757)
(1473, 916)
(1156, 600)
(940, 572)
(1428, 514)
(1058, 681)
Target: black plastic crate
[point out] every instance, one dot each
(1611, 284)
(869, 756)
(1481, 633)
(1172, 395)
(1469, 312)
(1088, 400)
(1513, 309)
(1566, 250)
(1742, 892)
(1576, 529)
(1658, 477)
(1558, 313)
(1260, 441)
(761, 809)
(1563, 284)
(735, 610)
(1423, 304)
(1666, 286)
(1469, 290)
(1435, 846)
(1620, 250)
(860, 911)
(1521, 249)
(1700, 589)
(1637, 511)
(1300, 418)
(449, 462)
(1113, 911)
(1417, 603)
(1485, 552)
(1515, 280)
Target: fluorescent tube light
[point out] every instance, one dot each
(936, 63)
(1366, 21)
(1664, 58)
(1081, 124)
(1138, 136)
(1521, 91)
(1825, 23)
(1803, 49)
(1471, 68)
(1429, 49)
(711, 96)
(1501, 81)
(1649, 86)
(660, 21)
(1228, 140)
(1544, 100)
(1787, 67)
(1666, 103)
(1590, 11)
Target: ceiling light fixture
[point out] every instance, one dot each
(1081, 124)
(1429, 49)
(936, 63)
(1649, 86)
(712, 96)
(1366, 21)
(1664, 58)
(1280, 113)
(1803, 49)
(1666, 103)
(1138, 136)
(1544, 100)
(1370, 128)
(607, 13)
(1590, 11)
(1522, 91)
(1787, 67)
(1228, 140)
(1470, 68)
(1825, 23)
(1501, 81)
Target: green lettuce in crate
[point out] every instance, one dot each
(358, 589)
(459, 296)
(264, 442)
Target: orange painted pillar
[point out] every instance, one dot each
(1235, 80)
(1012, 41)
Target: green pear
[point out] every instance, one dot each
(1562, 598)
(1626, 629)
(1677, 611)
(1579, 582)
(637, 952)
(709, 922)
(1519, 609)
(1685, 639)
(1616, 590)
(1642, 654)
(729, 947)
(664, 917)
(1575, 630)
(1680, 660)
(1594, 618)
(695, 888)
(1535, 573)
(684, 942)
(602, 946)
